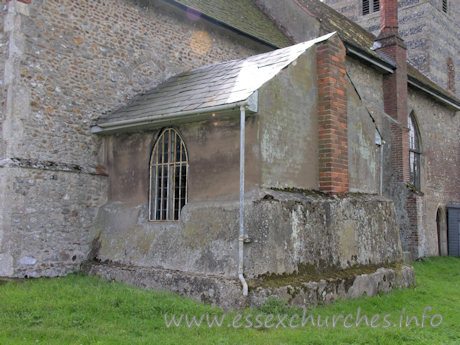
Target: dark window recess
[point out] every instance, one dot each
(168, 176)
(414, 152)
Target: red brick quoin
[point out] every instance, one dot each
(395, 88)
(332, 116)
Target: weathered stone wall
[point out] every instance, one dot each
(69, 62)
(365, 111)
(439, 132)
(349, 8)
(363, 152)
(85, 58)
(429, 33)
(288, 231)
(51, 213)
(3, 57)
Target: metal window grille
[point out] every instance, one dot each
(444, 6)
(168, 177)
(414, 153)
(366, 8)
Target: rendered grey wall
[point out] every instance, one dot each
(288, 129)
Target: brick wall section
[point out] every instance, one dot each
(395, 102)
(332, 117)
(388, 16)
(412, 242)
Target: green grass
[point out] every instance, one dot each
(79, 309)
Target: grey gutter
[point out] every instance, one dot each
(381, 64)
(388, 67)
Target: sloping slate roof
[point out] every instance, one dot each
(242, 15)
(210, 86)
(350, 32)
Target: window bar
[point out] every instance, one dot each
(186, 176)
(168, 175)
(173, 195)
(150, 186)
(180, 176)
(186, 184)
(162, 177)
(156, 183)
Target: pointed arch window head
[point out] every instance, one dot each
(168, 177)
(414, 152)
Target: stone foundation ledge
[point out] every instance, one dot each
(328, 290)
(226, 293)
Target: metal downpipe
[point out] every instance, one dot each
(242, 237)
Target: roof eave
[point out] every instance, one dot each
(376, 62)
(386, 67)
(449, 101)
(161, 120)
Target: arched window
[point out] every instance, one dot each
(168, 176)
(414, 152)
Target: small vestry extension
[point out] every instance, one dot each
(227, 151)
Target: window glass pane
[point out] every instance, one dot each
(411, 134)
(411, 166)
